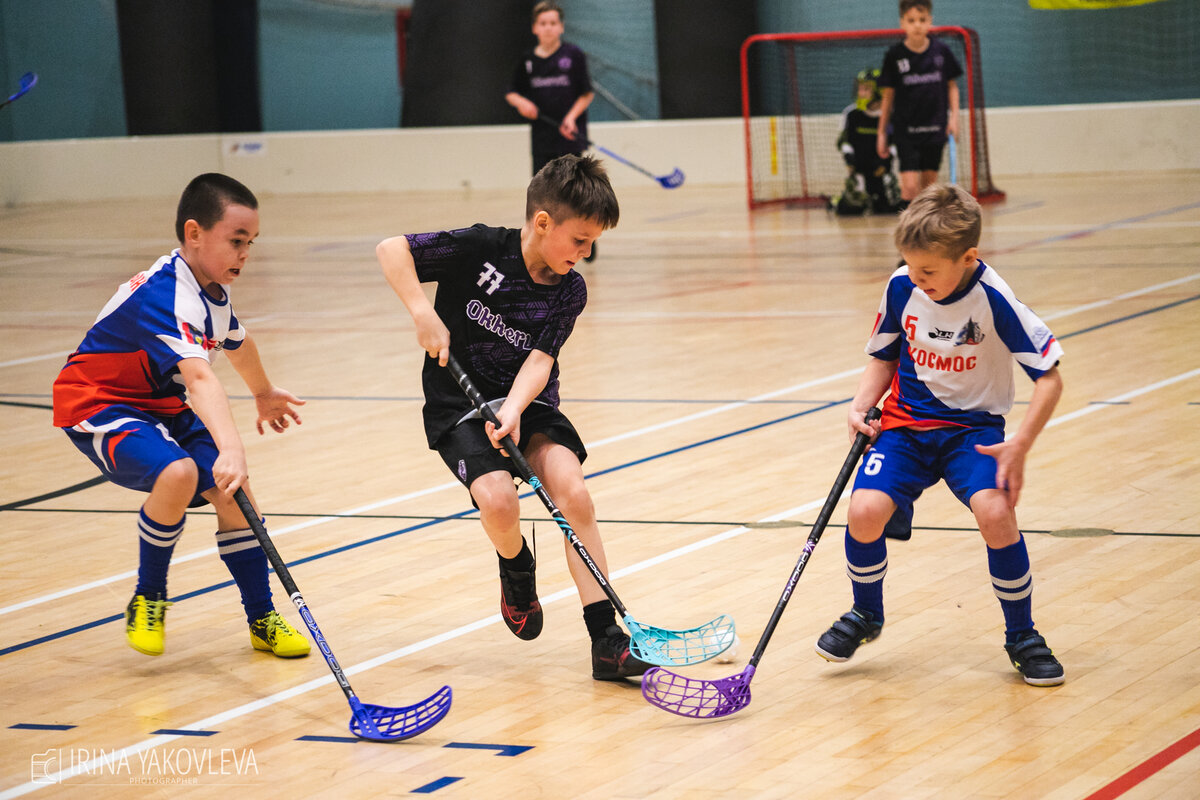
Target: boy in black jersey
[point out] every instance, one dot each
(552, 83)
(506, 302)
(920, 99)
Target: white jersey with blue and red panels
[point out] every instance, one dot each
(956, 354)
(130, 354)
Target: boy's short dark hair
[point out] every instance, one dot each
(205, 198)
(573, 186)
(941, 219)
(906, 5)
(543, 7)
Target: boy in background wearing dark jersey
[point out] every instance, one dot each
(920, 99)
(506, 301)
(121, 400)
(552, 82)
(946, 334)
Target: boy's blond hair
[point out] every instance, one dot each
(941, 219)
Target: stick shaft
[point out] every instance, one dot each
(289, 585)
(550, 121)
(814, 536)
(531, 478)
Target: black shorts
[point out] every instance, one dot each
(919, 155)
(469, 453)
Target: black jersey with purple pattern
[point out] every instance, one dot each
(496, 314)
(921, 81)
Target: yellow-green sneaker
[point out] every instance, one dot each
(145, 626)
(272, 632)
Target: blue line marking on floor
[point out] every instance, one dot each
(508, 750)
(433, 786)
(461, 514)
(337, 739)
(182, 732)
(39, 726)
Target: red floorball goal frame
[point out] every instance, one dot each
(794, 88)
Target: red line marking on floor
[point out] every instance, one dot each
(1147, 768)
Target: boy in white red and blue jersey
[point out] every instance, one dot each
(140, 399)
(506, 301)
(945, 337)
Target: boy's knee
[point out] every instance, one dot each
(869, 512)
(496, 495)
(182, 474)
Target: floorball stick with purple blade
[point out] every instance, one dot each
(705, 699)
(647, 642)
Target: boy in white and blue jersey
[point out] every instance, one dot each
(945, 337)
(140, 399)
(506, 301)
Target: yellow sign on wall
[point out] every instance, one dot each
(1053, 5)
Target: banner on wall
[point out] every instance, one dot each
(1054, 5)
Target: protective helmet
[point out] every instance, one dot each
(870, 77)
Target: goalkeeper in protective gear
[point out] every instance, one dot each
(870, 185)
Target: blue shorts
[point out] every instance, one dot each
(132, 447)
(902, 462)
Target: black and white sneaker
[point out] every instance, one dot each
(1035, 661)
(611, 659)
(519, 604)
(857, 626)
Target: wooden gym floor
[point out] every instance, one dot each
(709, 376)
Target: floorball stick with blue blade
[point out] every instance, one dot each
(28, 81)
(376, 723)
(672, 180)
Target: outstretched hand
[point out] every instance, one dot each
(275, 407)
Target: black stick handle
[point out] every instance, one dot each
(531, 478)
(839, 485)
(289, 585)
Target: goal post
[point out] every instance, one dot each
(794, 88)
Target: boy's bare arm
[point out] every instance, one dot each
(873, 384)
(885, 116)
(568, 128)
(530, 380)
(524, 106)
(400, 270)
(207, 398)
(952, 119)
(1010, 454)
(274, 403)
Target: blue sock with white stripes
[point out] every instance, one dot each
(156, 543)
(247, 563)
(866, 564)
(1012, 581)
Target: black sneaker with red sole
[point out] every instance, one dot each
(611, 659)
(519, 604)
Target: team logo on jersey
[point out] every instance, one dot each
(194, 336)
(137, 280)
(490, 273)
(564, 63)
(970, 334)
(941, 335)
